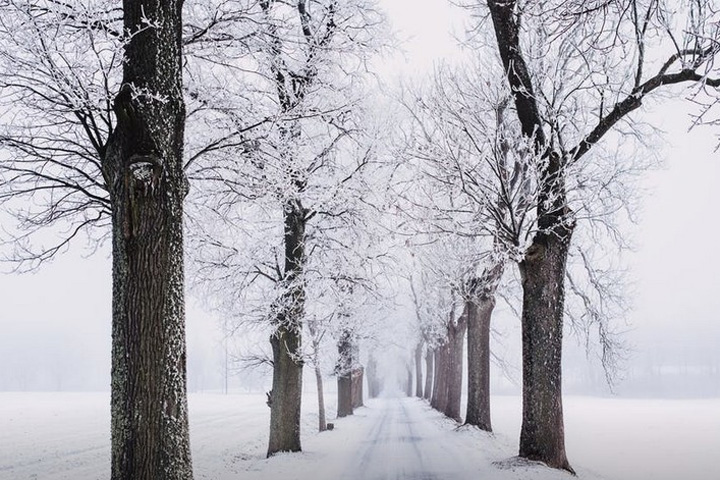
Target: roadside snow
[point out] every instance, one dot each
(54, 436)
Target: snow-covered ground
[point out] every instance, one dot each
(52, 436)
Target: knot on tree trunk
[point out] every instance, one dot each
(145, 170)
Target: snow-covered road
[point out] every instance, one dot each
(66, 436)
(402, 445)
(404, 439)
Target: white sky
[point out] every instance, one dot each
(60, 317)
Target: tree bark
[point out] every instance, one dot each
(479, 309)
(357, 387)
(344, 376)
(143, 167)
(286, 393)
(429, 367)
(542, 436)
(478, 403)
(418, 370)
(440, 389)
(456, 342)
(322, 421)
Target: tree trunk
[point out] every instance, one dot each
(286, 393)
(344, 407)
(440, 389)
(372, 378)
(429, 366)
(479, 309)
(321, 400)
(344, 376)
(478, 403)
(418, 370)
(357, 387)
(143, 169)
(437, 360)
(409, 381)
(542, 436)
(456, 342)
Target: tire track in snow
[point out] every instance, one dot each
(402, 445)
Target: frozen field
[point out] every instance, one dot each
(66, 436)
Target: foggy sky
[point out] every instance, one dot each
(55, 324)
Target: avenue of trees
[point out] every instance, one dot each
(249, 141)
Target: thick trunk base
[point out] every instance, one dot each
(322, 421)
(542, 436)
(286, 395)
(345, 399)
(478, 402)
(456, 341)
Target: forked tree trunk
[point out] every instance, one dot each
(456, 342)
(429, 367)
(286, 393)
(542, 436)
(322, 422)
(418, 370)
(344, 376)
(478, 402)
(143, 169)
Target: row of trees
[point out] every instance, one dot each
(510, 171)
(161, 123)
(243, 129)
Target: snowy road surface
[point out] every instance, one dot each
(402, 444)
(66, 436)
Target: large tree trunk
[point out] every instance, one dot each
(322, 421)
(440, 389)
(143, 166)
(456, 342)
(478, 402)
(479, 310)
(286, 393)
(418, 370)
(429, 367)
(542, 436)
(344, 376)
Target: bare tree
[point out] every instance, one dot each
(143, 165)
(94, 150)
(478, 174)
(292, 172)
(580, 45)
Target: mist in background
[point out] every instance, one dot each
(55, 324)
